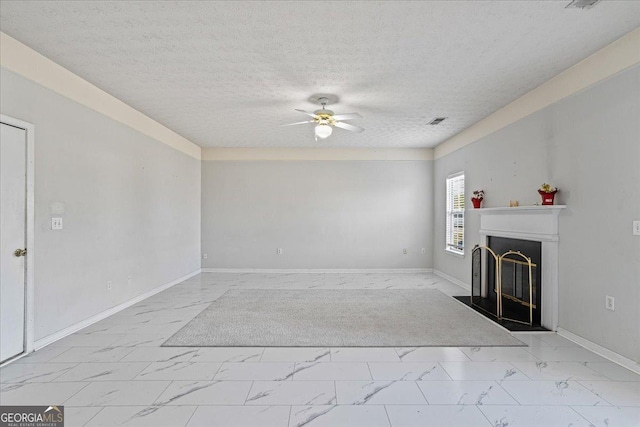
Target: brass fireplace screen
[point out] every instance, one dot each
(512, 293)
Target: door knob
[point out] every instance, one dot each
(20, 252)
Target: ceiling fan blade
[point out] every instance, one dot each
(349, 127)
(347, 116)
(300, 123)
(307, 113)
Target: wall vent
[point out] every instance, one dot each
(582, 4)
(437, 121)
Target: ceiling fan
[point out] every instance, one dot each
(326, 120)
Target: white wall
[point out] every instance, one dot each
(324, 214)
(132, 207)
(589, 146)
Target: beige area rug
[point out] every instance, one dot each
(339, 318)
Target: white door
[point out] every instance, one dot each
(13, 162)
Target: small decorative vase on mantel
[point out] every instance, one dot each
(548, 194)
(477, 198)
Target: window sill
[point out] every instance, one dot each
(454, 253)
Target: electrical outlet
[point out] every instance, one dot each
(636, 228)
(404, 251)
(108, 285)
(279, 251)
(610, 303)
(204, 255)
(424, 251)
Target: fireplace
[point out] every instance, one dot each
(505, 280)
(534, 232)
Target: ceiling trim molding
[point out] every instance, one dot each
(608, 61)
(33, 66)
(292, 154)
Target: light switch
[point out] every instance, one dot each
(56, 223)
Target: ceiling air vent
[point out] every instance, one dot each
(437, 121)
(582, 4)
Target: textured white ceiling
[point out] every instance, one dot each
(228, 74)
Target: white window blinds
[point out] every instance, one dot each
(455, 213)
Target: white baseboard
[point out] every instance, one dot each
(452, 280)
(602, 351)
(317, 270)
(42, 342)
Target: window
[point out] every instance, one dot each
(455, 213)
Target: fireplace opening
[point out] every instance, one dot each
(506, 282)
(518, 301)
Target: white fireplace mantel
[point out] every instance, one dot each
(538, 224)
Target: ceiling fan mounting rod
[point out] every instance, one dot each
(323, 101)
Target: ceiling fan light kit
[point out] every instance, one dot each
(323, 130)
(325, 120)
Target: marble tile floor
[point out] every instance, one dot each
(115, 373)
